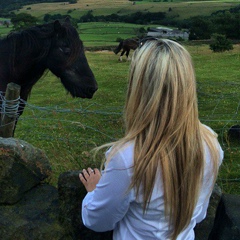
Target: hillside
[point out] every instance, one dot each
(203, 17)
(174, 9)
(181, 9)
(4, 3)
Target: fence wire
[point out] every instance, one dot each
(94, 124)
(219, 110)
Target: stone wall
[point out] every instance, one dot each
(28, 206)
(31, 209)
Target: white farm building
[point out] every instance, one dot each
(167, 33)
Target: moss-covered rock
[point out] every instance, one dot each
(35, 216)
(22, 167)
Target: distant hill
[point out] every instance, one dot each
(16, 3)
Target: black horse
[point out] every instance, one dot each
(126, 45)
(25, 55)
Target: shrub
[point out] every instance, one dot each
(220, 43)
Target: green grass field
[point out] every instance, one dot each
(105, 34)
(180, 9)
(67, 129)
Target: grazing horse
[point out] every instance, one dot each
(126, 45)
(25, 55)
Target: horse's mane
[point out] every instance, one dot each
(27, 41)
(76, 43)
(37, 40)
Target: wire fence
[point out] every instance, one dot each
(222, 114)
(77, 123)
(219, 111)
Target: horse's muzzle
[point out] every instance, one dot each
(90, 91)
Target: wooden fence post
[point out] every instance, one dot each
(9, 110)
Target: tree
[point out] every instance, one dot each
(200, 28)
(22, 21)
(227, 23)
(140, 32)
(88, 17)
(220, 43)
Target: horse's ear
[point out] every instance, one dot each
(67, 20)
(57, 26)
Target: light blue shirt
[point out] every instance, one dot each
(111, 206)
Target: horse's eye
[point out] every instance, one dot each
(65, 50)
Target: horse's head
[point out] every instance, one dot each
(67, 61)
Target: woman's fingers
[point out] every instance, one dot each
(82, 177)
(90, 170)
(96, 171)
(85, 174)
(90, 177)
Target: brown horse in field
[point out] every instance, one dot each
(126, 45)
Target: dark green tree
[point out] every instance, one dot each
(227, 23)
(220, 43)
(22, 21)
(200, 28)
(140, 32)
(88, 17)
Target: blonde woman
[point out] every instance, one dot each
(159, 177)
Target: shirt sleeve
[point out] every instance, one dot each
(104, 207)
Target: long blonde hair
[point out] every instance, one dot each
(161, 117)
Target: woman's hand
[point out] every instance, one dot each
(90, 178)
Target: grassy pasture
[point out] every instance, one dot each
(105, 34)
(100, 34)
(3, 29)
(67, 129)
(180, 9)
(94, 34)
